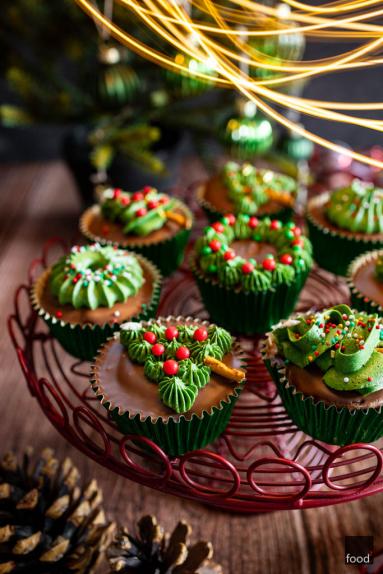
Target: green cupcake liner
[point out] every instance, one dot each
(285, 214)
(328, 423)
(332, 250)
(83, 341)
(167, 255)
(246, 312)
(358, 299)
(175, 436)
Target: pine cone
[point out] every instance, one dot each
(48, 524)
(153, 552)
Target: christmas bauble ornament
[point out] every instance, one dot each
(186, 82)
(151, 551)
(48, 522)
(118, 82)
(296, 147)
(246, 136)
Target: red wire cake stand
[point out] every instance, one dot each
(261, 463)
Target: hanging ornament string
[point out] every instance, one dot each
(217, 36)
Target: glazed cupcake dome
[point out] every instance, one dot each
(345, 347)
(140, 213)
(173, 357)
(216, 258)
(94, 276)
(249, 187)
(365, 281)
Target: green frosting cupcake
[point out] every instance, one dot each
(357, 208)
(174, 358)
(341, 348)
(92, 276)
(243, 294)
(140, 213)
(249, 187)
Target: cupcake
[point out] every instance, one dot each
(247, 189)
(173, 380)
(151, 223)
(365, 280)
(345, 224)
(250, 272)
(328, 367)
(90, 291)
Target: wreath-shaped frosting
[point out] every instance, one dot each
(357, 208)
(140, 213)
(93, 276)
(218, 260)
(249, 187)
(346, 345)
(173, 357)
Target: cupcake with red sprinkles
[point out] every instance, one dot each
(147, 221)
(250, 272)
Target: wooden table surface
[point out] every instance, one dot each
(38, 201)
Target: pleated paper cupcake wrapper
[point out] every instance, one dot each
(175, 436)
(167, 255)
(83, 341)
(334, 251)
(213, 214)
(247, 312)
(358, 299)
(328, 423)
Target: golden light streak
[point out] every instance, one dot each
(222, 39)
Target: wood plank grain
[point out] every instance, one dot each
(38, 201)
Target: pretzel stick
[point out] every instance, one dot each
(224, 370)
(176, 217)
(280, 196)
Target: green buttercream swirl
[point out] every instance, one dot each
(92, 276)
(193, 374)
(200, 351)
(139, 216)
(139, 351)
(177, 394)
(346, 345)
(220, 337)
(247, 186)
(153, 369)
(357, 208)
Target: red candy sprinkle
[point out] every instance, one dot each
(253, 222)
(150, 337)
(182, 353)
(218, 226)
(147, 189)
(247, 267)
(152, 204)
(297, 242)
(229, 254)
(268, 264)
(170, 367)
(275, 224)
(116, 193)
(138, 196)
(230, 218)
(215, 245)
(171, 333)
(125, 200)
(286, 259)
(141, 212)
(163, 200)
(200, 334)
(158, 349)
(59, 314)
(297, 231)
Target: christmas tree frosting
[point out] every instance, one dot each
(217, 258)
(140, 213)
(346, 345)
(177, 358)
(92, 276)
(249, 187)
(357, 208)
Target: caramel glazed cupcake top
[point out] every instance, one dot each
(145, 216)
(95, 284)
(365, 279)
(174, 364)
(335, 356)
